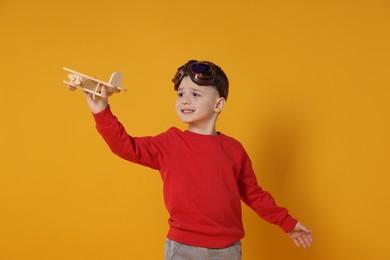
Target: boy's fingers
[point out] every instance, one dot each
(302, 242)
(88, 95)
(306, 240)
(104, 91)
(296, 242)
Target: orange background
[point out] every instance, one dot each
(309, 100)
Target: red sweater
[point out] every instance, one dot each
(205, 177)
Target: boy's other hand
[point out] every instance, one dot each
(97, 104)
(301, 235)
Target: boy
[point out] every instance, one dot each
(205, 173)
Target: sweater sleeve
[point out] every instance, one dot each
(146, 151)
(262, 201)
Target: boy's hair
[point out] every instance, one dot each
(203, 73)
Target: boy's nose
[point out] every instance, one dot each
(185, 102)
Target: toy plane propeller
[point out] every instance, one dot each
(93, 85)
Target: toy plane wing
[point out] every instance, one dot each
(93, 85)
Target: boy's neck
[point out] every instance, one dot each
(202, 130)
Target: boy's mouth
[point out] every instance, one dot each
(187, 111)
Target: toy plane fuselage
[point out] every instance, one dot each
(92, 85)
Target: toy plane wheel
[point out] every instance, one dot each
(71, 88)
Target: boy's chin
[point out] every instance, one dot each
(185, 121)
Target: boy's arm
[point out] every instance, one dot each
(261, 201)
(265, 206)
(144, 151)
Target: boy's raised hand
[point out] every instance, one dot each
(301, 235)
(97, 104)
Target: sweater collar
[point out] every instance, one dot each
(197, 135)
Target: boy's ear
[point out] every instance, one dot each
(219, 104)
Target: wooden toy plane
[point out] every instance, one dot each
(93, 85)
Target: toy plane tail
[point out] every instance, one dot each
(116, 80)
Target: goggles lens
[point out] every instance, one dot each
(201, 70)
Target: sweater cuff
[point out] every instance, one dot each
(104, 117)
(288, 223)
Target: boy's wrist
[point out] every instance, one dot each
(99, 109)
(104, 117)
(288, 224)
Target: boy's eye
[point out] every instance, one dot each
(180, 94)
(195, 94)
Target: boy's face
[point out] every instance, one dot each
(197, 105)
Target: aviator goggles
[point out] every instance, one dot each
(200, 72)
